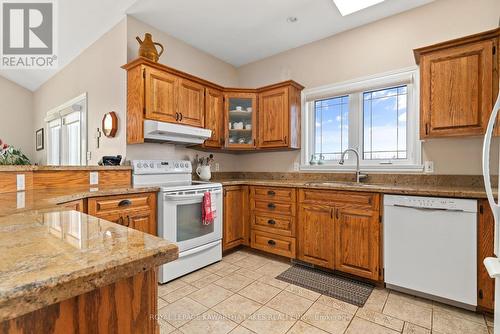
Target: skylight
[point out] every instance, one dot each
(347, 7)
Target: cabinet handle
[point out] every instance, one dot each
(271, 243)
(177, 116)
(124, 202)
(331, 213)
(181, 117)
(271, 193)
(427, 128)
(337, 213)
(271, 206)
(271, 222)
(286, 139)
(254, 143)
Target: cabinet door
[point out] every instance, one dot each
(240, 120)
(234, 217)
(485, 232)
(316, 235)
(161, 95)
(191, 103)
(273, 118)
(141, 221)
(456, 90)
(214, 117)
(357, 242)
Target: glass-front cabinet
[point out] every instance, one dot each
(240, 118)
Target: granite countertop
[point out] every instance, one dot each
(30, 168)
(401, 189)
(48, 257)
(43, 199)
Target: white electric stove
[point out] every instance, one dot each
(179, 214)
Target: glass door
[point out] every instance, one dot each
(241, 120)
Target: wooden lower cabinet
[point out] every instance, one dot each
(126, 306)
(137, 211)
(316, 235)
(235, 225)
(272, 243)
(357, 242)
(485, 248)
(336, 234)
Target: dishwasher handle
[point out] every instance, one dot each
(426, 209)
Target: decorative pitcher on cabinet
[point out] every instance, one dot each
(147, 48)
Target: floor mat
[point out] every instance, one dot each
(339, 287)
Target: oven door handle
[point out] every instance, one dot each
(188, 196)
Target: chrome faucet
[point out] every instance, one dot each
(359, 175)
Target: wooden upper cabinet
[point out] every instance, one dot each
(214, 117)
(357, 242)
(273, 118)
(315, 231)
(160, 95)
(158, 92)
(279, 116)
(458, 85)
(191, 106)
(240, 114)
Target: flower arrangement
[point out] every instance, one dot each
(12, 156)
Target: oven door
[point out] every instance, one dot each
(182, 218)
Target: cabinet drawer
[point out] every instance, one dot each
(274, 194)
(273, 243)
(272, 207)
(123, 202)
(274, 224)
(339, 197)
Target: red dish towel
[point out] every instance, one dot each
(207, 210)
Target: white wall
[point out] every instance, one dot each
(16, 121)
(95, 71)
(184, 57)
(378, 47)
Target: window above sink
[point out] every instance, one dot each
(376, 115)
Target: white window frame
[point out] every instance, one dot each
(355, 89)
(60, 113)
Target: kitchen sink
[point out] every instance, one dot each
(337, 184)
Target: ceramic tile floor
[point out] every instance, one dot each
(240, 295)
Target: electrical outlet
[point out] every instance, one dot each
(429, 166)
(20, 182)
(217, 167)
(296, 166)
(94, 178)
(89, 155)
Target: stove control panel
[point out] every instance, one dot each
(161, 166)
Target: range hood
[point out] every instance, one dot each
(155, 131)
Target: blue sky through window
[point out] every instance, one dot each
(331, 127)
(385, 124)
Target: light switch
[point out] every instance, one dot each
(94, 178)
(21, 182)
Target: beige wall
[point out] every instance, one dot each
(95, 71)
(186, 58)
(16, 122)
(375, 48)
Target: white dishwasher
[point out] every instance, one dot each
(430, 247)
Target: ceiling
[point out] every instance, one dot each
(236, 31)
(243, 31)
